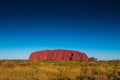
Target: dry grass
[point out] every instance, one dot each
(55, 70)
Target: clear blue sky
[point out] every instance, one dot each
(90, 26)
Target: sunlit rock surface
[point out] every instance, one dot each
(58, 55)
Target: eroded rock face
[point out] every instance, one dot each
(58, 55)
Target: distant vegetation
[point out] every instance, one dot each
(92, 59)
(59, 70)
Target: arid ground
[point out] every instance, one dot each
(59, 70)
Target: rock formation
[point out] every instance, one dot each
(58, 55)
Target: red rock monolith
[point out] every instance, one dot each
(58, 55)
